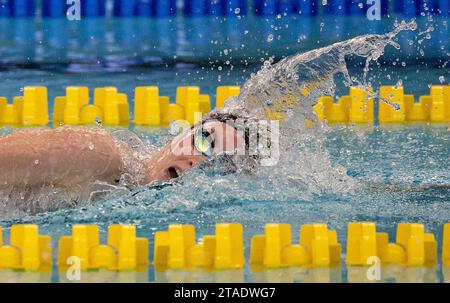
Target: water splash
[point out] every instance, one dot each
(288, 91)
(290, 88)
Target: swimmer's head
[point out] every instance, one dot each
(204, 141)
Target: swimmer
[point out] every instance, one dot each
(50, 169)
(67, 157)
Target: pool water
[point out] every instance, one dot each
(407, 157)
(394, 177)
(382, 174)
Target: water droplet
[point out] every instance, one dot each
(270, 38)
(91, 146)
(321, 26)
(237, 10)
(36, 162)
(174, 128)
(301, 38)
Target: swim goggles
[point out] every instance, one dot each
(203, 142)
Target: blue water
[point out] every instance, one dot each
(405, 158)
(395, 174)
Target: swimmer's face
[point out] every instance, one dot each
(190, 149)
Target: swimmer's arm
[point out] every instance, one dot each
(60, 157)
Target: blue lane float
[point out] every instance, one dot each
(384, 7)
(305, 7)
(235, 7)
(411, 8)
(336, 7)
(265, 7)
(58, 8)
(22, 8)
(443, 7)
(124, 8)
(284, 7)
(93, 8)
(144, 8)
(215, 7)
(359, 7)
(195, 7)
(425, 6)
(54, 8)
(398, 6)
(356, 7)
(5, 9)
(165, 8)
(439, 7)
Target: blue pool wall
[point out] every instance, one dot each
(263, 8)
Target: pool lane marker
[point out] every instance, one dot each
(446, 245)
(177, 248)
(395, 107)
(413, 247)
(123, 251)
(265, 8)
(27, 250)
(31, 109)
(193, 102)
(318, 246)
(111, 108)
